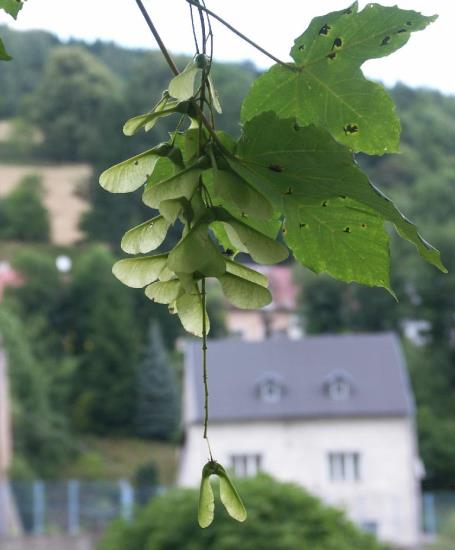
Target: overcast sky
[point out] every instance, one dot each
(427, 59)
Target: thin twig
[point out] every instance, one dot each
(239, 34)
(160, 43)
(204, 366)
(196, 44)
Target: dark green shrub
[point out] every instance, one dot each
(281, 516)
(23, 215)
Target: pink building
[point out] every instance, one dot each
(278, 318)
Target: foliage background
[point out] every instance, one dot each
(59, 317)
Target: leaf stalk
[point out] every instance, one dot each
(240, 35)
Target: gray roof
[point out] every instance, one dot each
(372, 364)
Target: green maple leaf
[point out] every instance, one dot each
(334, 215)
(13, 7)
(326, 87)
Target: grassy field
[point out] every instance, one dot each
(120, 458)
(64, 186)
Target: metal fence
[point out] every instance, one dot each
(76, 506)
(437, 507)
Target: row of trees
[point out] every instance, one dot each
(82, 362)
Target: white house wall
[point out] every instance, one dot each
(297, 451)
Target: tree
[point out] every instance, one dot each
(157, 401)
(23, 216)
(282, 516)
(103, 334)
(41, 287)
(41, 436)
(77, 106)
(329, 306)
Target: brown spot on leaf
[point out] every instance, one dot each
(351, 128)
(275, 168)
(324, 30)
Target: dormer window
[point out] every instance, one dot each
(270, 389)
(339, 386)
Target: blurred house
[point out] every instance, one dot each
(279, 317)
(332, 413)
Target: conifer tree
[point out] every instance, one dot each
(157, 405)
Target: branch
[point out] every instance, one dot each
(160, 43)
(238, 33)
(174, 68)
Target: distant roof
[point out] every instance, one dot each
(371, 364)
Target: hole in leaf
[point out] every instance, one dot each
(332, 55)
(347, 12)
(325, 203)
(275, 168)
(288, 191)
(385, 41)
(401, 30)
(303, 225)
(351, 128)
(296, 127)
(409, 23)
(343, 197)
(228, 252)
(136, 162)
(337, 43)
(302, 47)
(243, 215)
(324, 31)
(347, 229)
(364, 225)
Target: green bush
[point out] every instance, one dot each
(281, 516)
(23, 215)
(446, 538)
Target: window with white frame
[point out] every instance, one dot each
(271, 391)
(339, 389)
(344, 466)
(247, 465)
